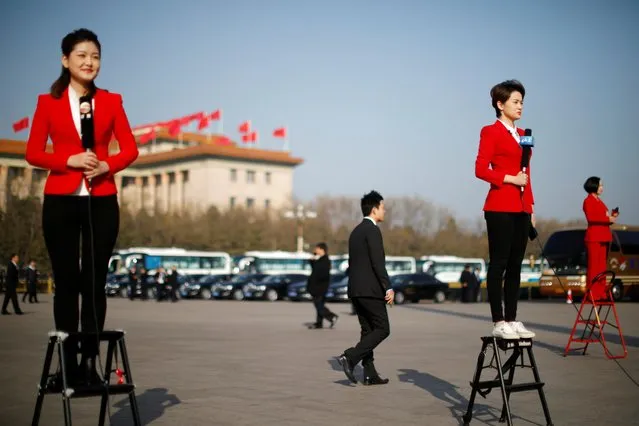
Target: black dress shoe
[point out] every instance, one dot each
(348, 367)
(374, 380)
(334, 320)
(315, 327)
(19, 313)
(6, 313)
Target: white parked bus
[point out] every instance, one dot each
(186, 261)
(448, 269)
(339, 263)
(274, 262)
(531, 271)
(394, 264)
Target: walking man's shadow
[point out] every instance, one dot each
(151, 404)
(457, 403)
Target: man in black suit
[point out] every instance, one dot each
(32, 284)
(369, 289)
(317, 286)
(467, 280)
(11, 286)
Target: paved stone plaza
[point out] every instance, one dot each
(255, 363)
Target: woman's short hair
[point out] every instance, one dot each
(592, 184)
(502, 91)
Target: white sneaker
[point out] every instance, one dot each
(521, 331)
(503, 330)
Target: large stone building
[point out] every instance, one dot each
(190, 171)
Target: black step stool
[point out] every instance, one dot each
(505, 384)
(115, 339)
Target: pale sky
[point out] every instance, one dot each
(376, 94)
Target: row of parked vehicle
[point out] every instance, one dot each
(271, 287)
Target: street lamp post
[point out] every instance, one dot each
(300, 214)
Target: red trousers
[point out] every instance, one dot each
(597, 253)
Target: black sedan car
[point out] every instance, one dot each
(338, 291)
(201, 288)
(272, 287)
(234, 288)
(117, 285)
(297, 291)
(415, 287)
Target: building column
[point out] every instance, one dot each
(4, 170)
(165, 191)
(140, 192)
(179, 191)
(27, 181)
(153, 195)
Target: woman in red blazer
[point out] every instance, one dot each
(80, 195)
(598, 236)
(508, 209)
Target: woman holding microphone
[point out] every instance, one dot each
(508, 208)
(598, 235)
(80, 195)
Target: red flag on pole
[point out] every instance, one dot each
(175, 127)
(245, 127)
(216, 115)
(253, 137)
(204, 122)
(280, 133)
(223, 140)
(21, 124)
(147, 137)
(187, 119)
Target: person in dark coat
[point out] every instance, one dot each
(32, 284)
(11, 286)
(369, 289)
(318, 284)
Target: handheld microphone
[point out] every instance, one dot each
(526, 142)
(86, 125)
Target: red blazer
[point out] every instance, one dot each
(499, 155)
(53, 119)
(598, 221)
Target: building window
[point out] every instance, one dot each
(232, 202)
(267, 203)
(233, 175)
(267, 178)
(250, 176)
(250, 202)
(185, 176)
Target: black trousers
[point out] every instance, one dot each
(507, 240)
(373, 320)
(32, 293)
(10, 293)
(323, 313)
(65, 223)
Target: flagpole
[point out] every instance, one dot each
(153, 144)
(286, 146)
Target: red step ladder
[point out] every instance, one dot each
(597, 319)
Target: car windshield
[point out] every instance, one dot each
(244, 278)
(208, 279)
(400, 279)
